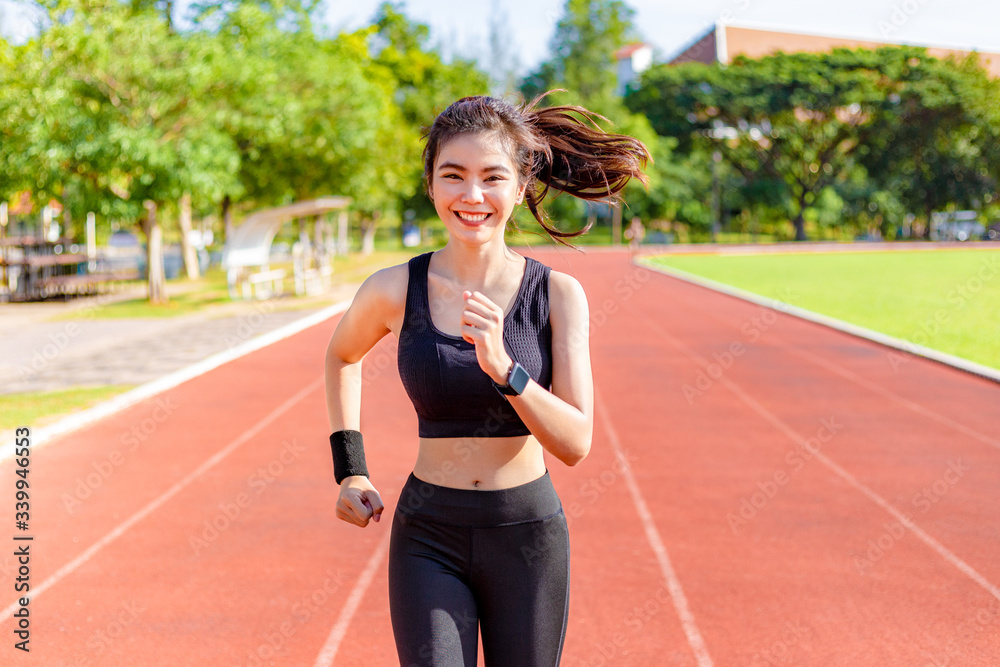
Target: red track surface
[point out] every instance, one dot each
(812, 504)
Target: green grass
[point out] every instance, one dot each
(37, 408)
(948, 300)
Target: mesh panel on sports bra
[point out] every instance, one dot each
(452, 395)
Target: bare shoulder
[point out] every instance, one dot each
(377, 309)
(565, 291)
(386, 286)
(382, 296)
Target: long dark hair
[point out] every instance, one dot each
(561, 148)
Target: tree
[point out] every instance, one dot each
(502, 61)
(422, 85)
(801, 121)
(795, 118)
(582, 51)
(301, 110)
(13, 141)
(113, 118)
(582, 65)
(679, 188)
(938, 146)
(113, 110)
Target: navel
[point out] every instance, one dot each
(475, 483)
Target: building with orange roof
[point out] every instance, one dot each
(724, 41)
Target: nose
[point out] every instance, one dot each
(473, 194)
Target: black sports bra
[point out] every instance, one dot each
(452, 395)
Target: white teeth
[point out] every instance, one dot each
(468, 217)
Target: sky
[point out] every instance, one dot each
(461, 27)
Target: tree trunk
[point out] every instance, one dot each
(188, 250)
(800, 228)
(154, 256)
(800, 222)
(368, 234)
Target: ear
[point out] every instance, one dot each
(520, 193)
(430, 193)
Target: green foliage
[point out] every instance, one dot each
(582, 64)
(110, 106)
(792, 126)
(112, 112)
(679, 187)
(422, 85)
(13, 174)
(939, 145)
(303, 113)
(582, 50)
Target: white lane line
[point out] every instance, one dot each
(117, 532)
(656, 542)
(936, 546)
(329, 651)
(943, 551)
(45, 435)
(922, 410)
(882, 391)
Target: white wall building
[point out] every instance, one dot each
(632, 60)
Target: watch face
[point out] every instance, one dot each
(518, 379)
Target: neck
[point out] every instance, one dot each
(474, 267)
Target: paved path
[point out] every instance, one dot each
(43, 354)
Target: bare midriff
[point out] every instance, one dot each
(485, 464)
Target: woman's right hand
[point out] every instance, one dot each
(359, 502)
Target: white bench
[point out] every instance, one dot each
(264, 284)
(316, 281)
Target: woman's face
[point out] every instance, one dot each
(474, 187)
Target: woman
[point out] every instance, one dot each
(493, 353)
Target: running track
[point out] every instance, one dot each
(811, 503)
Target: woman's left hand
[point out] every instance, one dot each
(482, 325)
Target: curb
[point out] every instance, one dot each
(899, 344)
(47, 434)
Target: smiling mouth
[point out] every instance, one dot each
(472, 217)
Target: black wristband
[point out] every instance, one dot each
(348, 455)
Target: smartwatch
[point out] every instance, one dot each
(517, 380)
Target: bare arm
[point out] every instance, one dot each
(361, 327)
(562, 419)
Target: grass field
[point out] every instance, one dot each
(948, 300)
(39, 408)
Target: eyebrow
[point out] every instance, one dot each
(458, 167)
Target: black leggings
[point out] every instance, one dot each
(464, 561)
